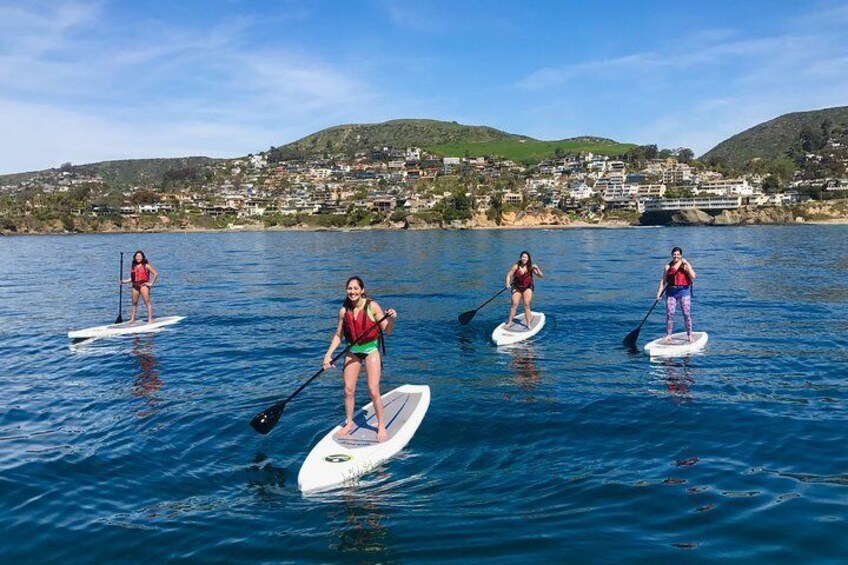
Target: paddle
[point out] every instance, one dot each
(265, 421)
(630, 339)
(120, 318)
(466, 317)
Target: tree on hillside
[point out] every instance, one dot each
(811, 139)
(143, 196)
(641, 154)
(771, 184)
(685, 155)
(783, 169)
(826, 128)
(756, 166)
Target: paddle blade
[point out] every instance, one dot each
(466, 317)
(265, 421)
(119, 319)
(630, 339)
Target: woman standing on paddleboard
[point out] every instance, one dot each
(520, 279)
(140, 277)
(677, 277)
(357, 324)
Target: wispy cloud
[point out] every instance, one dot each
(167, 90)
(627, 66)
(718, 83)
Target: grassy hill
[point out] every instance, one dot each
(531, 149)
(351, 138)
(443, 138)
(775, 139)
(123, 172)
(143, 171)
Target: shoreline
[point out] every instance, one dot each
(574, 225)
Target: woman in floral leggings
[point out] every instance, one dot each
(677, 279)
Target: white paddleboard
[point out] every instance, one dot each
(679, 345)
(518, 330)
(336, 461)
(125, 328)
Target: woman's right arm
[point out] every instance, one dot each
(335, 342)
(662, 282)
(509, 275)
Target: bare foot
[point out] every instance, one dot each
(150, 321)
(691, 339)
(345, 430)
(382, 434)
(131, 321)
(666, 339)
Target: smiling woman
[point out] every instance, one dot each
(362, 323)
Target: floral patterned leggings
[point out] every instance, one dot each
(670, 306)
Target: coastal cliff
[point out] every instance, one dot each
(812, 212)
(750, 215)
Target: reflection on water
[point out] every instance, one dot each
(147, 383)
(266, 479)
(677, 374)
(361, 529)
(527, 376)
(541, 452)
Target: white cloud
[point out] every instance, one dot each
(83, 94)
(698, 93)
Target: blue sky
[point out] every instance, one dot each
(88, 81)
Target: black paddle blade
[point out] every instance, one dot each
(265, 421)
(466, 317)
(119, 319)
(630, 339)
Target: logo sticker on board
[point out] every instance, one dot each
(337, 458)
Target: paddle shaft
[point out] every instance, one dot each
(120, 291)
(492, 298)
(657, 301)
(466, 317)
(334, 359)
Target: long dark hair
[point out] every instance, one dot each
(143, 258)
(529, 260)
(348, 305)
(134, 263)
(673, 249)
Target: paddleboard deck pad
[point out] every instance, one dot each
(337, 461)
(678, 346)
(518, 330)
(125, 328)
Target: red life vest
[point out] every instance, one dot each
(139, 274)
(677, 276)
(523, 281)
(360, 328)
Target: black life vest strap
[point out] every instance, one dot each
(381, 339)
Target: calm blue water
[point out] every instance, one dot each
(568, 448)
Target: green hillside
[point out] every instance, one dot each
(778, 138)
(443, 138)
(351, 138)
(530, 149)
(143, 171)
(124, 172)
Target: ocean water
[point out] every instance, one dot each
(567, 448)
